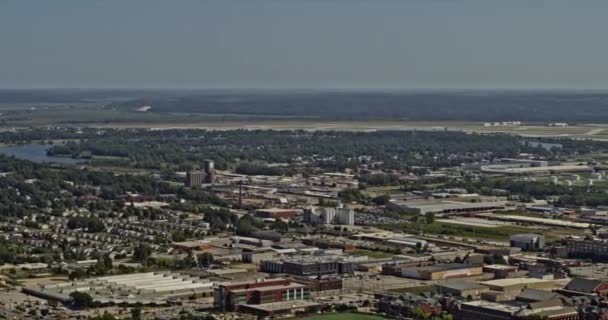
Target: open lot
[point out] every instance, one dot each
(343, 316)
(105, 118)
(475, 222)
(579, 131)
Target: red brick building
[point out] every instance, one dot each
(230, 296)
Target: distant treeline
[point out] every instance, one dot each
(267, 152)
(414, 106)
(251, 152)
(528, 106)
(528, 190)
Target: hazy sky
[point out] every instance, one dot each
(304, 43)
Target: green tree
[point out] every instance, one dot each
(280, 226)
(136, 313)
(77, 274)
(419, 314)
(205, 259)
(189, 261)
(142, 252)
(381, 200)
(245, 225)
(178, 236)
(429, 217)
(81, 300)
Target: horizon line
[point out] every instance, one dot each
(312, 89)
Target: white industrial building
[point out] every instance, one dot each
(150, 288)
(528, 241)
(446, 207)
(340, 216)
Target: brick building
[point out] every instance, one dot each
(231, 296)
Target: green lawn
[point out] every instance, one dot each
(438, 228)
(343, 316)
(520, 213)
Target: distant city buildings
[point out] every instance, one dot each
(197, 178)
(594, 249)
(503, 124)
(309, 265)
(558, 124)
(339, 216)
(209, 167)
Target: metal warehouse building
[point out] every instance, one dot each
(423, 207)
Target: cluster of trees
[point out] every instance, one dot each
(524, 190)
(83, 300)
(9, 252)
(352, 195)
(381, 199)
(379, 179)
(169, 150)
(142, 252)
(250, 168)
(103, 266)
(203, 260)
(198, 195)
(248, 224)
(419, 106)
(219, 218)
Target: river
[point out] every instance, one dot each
(36, 153)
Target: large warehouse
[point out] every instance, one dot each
(442, 271)
(150, 288)
(526, 171)
(443, 206)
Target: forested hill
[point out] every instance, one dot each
(527, 106)
(420, 106)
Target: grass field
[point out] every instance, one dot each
(520, 213)
(439, 228)
(380, 190)
(343, 316)
(95, 116)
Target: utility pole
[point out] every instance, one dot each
(240, 194)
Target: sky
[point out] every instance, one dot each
(305, 44)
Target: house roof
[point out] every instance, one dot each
(542, 305)
(583, 285)
(530, 294)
